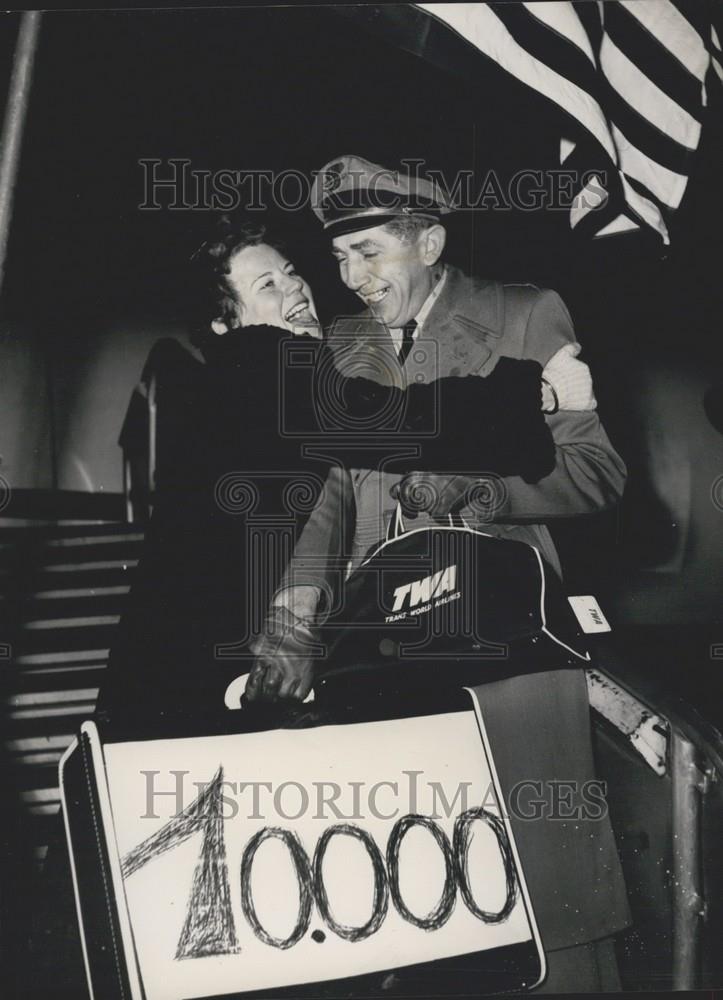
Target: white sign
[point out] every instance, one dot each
(262, 860)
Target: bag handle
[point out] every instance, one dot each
(396, 527)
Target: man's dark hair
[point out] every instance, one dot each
(408, 228)
(212, 261)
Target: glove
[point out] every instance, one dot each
(427, 492)
(284, 664)
(570, 380)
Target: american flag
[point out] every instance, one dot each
(631, 76)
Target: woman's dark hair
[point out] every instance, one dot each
(212, 264)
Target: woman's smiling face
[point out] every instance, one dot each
(269, 291)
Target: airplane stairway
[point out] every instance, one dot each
(61, 591)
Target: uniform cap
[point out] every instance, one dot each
(350, 193)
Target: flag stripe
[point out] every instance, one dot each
(642, 192)
(632, 73)
(638, 129)
(590, 162)
(621, 224)
(481, 26)
(644, 207)
(666, 185)
(673, 32)
(651, 57)
(551, 47)
(587, 158)
(590, 17)
(696, 14)
(565, 22)
(715, 47)
(650, 101)
(588, 200)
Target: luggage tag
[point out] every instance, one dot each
(589, 614)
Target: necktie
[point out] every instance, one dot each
(407, 340)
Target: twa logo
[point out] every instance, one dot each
(422, 591)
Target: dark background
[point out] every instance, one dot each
(274, 88)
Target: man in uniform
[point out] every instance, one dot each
(425, 320)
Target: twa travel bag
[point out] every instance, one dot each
(449, 603)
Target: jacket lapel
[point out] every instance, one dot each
(461, 332)
(363, 347)
(460, 337)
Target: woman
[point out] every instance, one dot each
(222, 496)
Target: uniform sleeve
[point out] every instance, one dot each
(312, 580)
(588, 473)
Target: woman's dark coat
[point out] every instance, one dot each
(234, 491)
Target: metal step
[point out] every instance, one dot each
(50, 726)
(69, 604)
(70, 657)
(68, 593)
(78, 622)
(67, 555)
(63, 640)
(96, 538)
(88, 566)
(119, 575)
(56, 507)
(23, 548)
(34, 752)
(57, 705)
(26, 529)
(51, 697)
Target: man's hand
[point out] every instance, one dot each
(431, 493)
(439, 495)
(284, 659)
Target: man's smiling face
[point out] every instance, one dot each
(390, 276)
